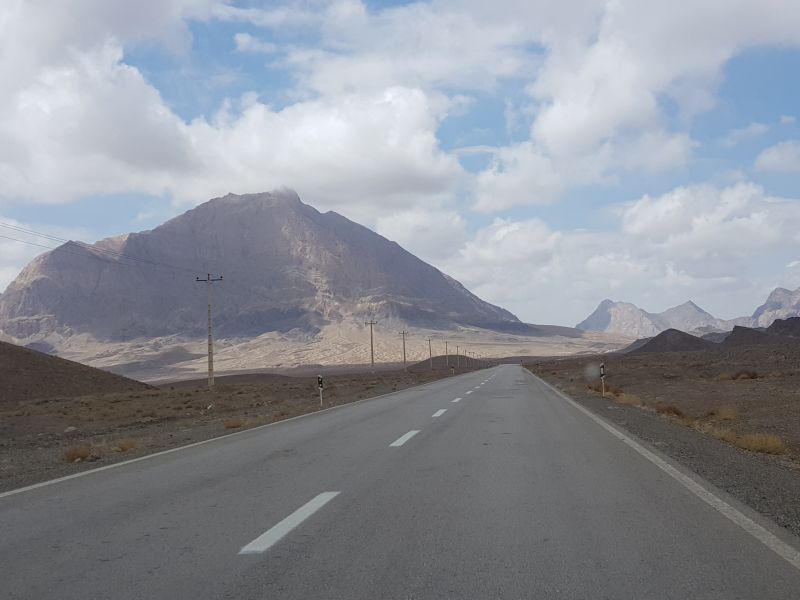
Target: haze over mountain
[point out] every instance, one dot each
(285, 265)
(625, 318)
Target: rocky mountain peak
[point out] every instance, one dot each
(285, 266)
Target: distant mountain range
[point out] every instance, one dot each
(624, 318)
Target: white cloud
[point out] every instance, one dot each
(429, 234)
(606, 77)
(782, 158)
(417, 45)
(719, 246)
(252, 45)
(741, 134)
(517, 175)
(788, 119)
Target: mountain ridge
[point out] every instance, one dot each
(626, 318)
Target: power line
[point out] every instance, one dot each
(89, 247)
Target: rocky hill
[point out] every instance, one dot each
(27, 375)
(673, 340)
(286, 267)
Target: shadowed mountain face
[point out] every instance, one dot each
(672, 340)
(285, 266)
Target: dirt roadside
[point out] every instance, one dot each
(706, 401)
(51, 437)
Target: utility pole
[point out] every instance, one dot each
(458, 359)
(446, 356)
(404, 334)
(430, 353)
(210, 284)
(371, 344)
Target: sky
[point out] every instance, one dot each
(546, 154)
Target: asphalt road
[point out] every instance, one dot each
(511, 492)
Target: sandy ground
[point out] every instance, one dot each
(176, 358)
(36, 435)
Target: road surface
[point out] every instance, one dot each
(484, 485)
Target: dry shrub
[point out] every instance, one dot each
(721, 433)
(723, 413)
(669, 410)
(233, 423)
(738, 375)
(745, 374)
(126, 444)
(761, 442)
(74, 453)
(628, 399)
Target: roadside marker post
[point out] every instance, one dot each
(320, 386)
(603, 378)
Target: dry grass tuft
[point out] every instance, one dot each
(761, 442)
(723, 413)
(720, 433)
(233, 423)
(628, 399)
(126, 444)
(738, 375)
(766, 443)
(669, 410)
(76, 453)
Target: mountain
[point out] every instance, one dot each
(628, 319)
(688, 317)
(620, 317)
(286, 267)
(780, 304)
(625, 318)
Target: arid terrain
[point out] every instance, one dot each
(735, 395)
(53, 435)
(179, 358)
(731, 416)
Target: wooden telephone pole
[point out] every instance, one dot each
(430, 353)
(210, 284)
(371, 343)
(404, 334)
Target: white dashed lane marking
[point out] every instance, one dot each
(404, 438)
(269, 538)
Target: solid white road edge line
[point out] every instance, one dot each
(767, 538)
(439, 412)
(404, 438)
(269, 538)
(219, 438)
(456, 400)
